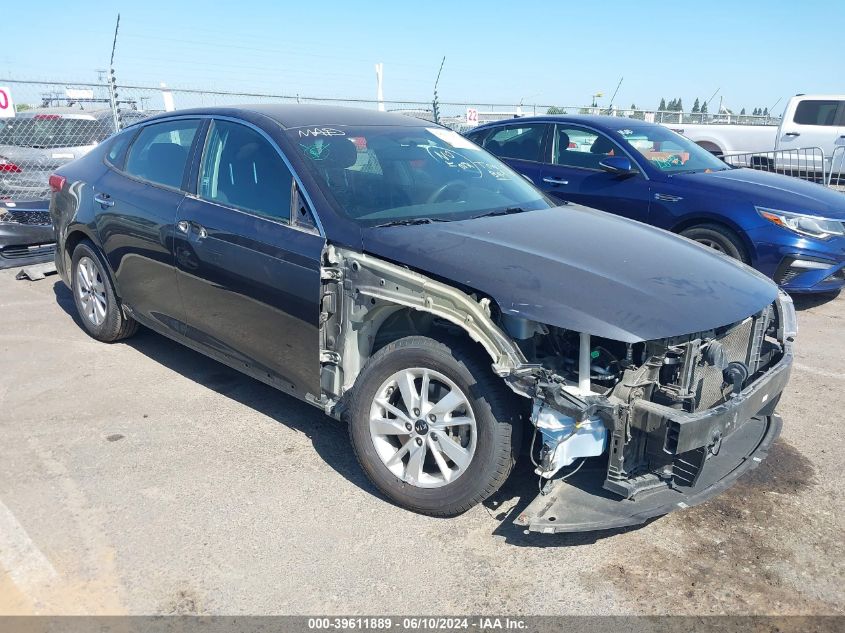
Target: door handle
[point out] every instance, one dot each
(792, 134)
(184, 226)
(555, 181)
(103, 199)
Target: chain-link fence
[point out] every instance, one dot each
(56, 122)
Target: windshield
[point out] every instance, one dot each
(385, 174)
(50, 131)
(670, 152)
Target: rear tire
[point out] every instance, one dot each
(718, 238)
(94, 296)
(460, 434)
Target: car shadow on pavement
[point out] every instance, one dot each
(328, 436)
(805, 302)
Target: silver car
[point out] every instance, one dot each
(35, 143)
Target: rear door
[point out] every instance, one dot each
(814, 123)
(521, 145)
(136, 203)
(249, 276)
(574, 174)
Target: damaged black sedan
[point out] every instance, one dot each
(402, 279)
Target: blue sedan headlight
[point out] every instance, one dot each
(803, 224)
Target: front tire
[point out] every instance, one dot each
(719, 238)
(433, 428)
(95, 299)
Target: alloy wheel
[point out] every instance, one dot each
(90, 291)
(423, 427)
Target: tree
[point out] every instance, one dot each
(696, 107)
(765, 112)
(679, 105)
(662, 105)
(633, 106)
(704, 108)
(742, 111)
(22, 107)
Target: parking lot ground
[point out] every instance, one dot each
(142, 478)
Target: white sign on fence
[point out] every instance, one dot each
(472, 116)
(79, 93)
(7, 106)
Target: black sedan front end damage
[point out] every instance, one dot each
(678, 428)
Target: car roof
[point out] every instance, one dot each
(596, 120)
(296, 115)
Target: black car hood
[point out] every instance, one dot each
(583, 270)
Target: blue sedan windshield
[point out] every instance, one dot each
(381, 174)
(669, 151)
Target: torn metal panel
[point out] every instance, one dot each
(37, 272)
(360, 292)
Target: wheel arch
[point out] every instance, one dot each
(711, 146)
(377, 302)
(75, 235)
(698, 219)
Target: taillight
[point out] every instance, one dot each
(57, 183)
(8, 167)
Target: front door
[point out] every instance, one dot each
(137, 202)
(249, 277)
(574, 174)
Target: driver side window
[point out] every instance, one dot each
(241, 169)
(574, 146)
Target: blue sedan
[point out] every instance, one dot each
(789, 229)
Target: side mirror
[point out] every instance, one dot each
(617, 165)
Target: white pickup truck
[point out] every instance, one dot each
(809, 121)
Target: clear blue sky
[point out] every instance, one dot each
(755, 52)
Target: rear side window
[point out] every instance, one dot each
(241, 169)
(522, 142)
(117, 149)
(817, 112)
(160, 152)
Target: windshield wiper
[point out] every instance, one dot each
(505, 211)
(410, 222)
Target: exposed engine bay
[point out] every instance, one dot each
(657, 410)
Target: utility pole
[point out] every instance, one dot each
(379, 86)
(113, 82)
(434, 105)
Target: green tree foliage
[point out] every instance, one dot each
(742, 111)
(704, 108)
(696, 107)
(662, 105)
